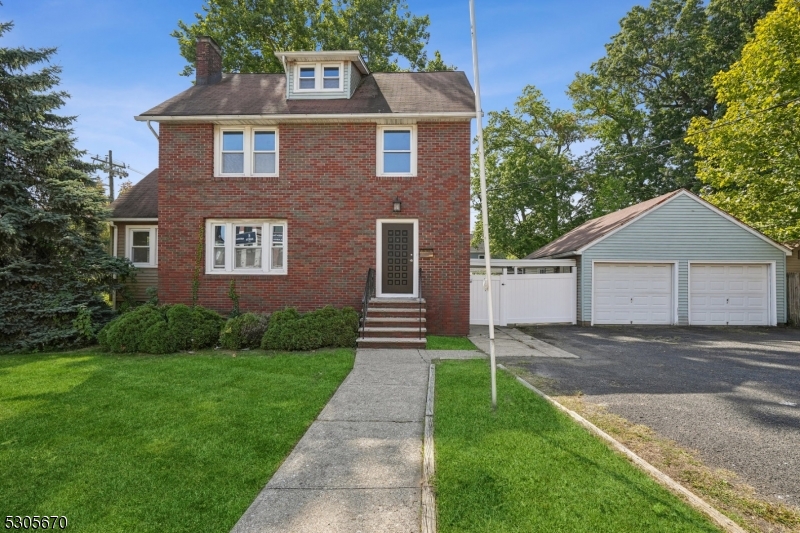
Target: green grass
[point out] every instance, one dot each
(527, 467)
(436, 342)
(153, 443)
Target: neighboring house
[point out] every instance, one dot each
(477, 251)
(134, 227)
(793, 261)
(295, 185)
(675, 259)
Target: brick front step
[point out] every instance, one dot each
(395, 303)
(395, 312)
(395, 322)
(394, 332)
(391, 342)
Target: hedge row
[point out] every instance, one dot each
(173, 328)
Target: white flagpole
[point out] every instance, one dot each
(487, 284)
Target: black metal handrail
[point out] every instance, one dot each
(419, 272)
(369, 293)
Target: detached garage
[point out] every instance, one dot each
(675, 259)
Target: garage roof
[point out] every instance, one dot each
(588, 233)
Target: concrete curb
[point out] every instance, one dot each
(428, 463)
(695, 501)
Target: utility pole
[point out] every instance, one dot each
(109, 166)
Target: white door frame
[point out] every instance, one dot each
(674, 290)
(772, 281)
(379, 257)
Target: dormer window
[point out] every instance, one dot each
(330, 77)
(319, 77)
(307, 78)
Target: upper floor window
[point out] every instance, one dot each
(319, 77)
(246, 247)
(397, 151)
(142, 249)
(246, 151)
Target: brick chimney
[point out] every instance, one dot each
(208, 65)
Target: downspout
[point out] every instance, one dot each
(114, 242)
(285, 71)
(152, 130)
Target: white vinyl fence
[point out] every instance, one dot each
(525, 291)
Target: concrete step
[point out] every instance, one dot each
(371, 332)
(389, 342)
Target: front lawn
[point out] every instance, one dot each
(153, 443)
(437, 342)
(527, 467)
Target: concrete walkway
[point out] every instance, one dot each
(511, 342)
(359, 465)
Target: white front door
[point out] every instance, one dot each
(632, 293)
(722, 294)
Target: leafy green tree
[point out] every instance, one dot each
(53, 265)
(530, 178)
(749, 159)
(640, 98)
(249, 32)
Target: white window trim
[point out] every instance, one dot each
(249, 151)
(319, 72)
(230, 245)
(153, 245)
(379, 153)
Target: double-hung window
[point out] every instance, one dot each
(319, 77)
(397, 151)
(142, 246)
(246, 247)
(247, 151)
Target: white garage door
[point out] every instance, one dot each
(632, 293)
(729, 295)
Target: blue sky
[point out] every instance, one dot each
(119, 60)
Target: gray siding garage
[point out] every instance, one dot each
(675, 259)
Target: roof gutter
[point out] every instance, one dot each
(297, 117)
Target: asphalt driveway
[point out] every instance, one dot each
(733, 394)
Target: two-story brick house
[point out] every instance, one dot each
(296, 184)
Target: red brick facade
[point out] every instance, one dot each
(331, 198)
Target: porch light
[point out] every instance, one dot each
(396, 205)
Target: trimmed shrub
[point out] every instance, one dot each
(163, 329)
(326, 327)
(243, 331)
(125, 333)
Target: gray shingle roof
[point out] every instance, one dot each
(381, 92)
(139, 202)
(592, 230)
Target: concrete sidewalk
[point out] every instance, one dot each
(359, 465)
(511, 342)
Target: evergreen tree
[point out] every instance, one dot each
(54, 268)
